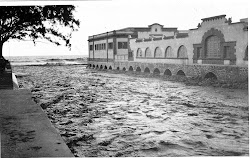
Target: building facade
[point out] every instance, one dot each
(216, 46)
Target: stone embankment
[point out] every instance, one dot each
(26, 130)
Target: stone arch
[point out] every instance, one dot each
(215, 34)
(97, 66)
(101, 67)
(130, 68)
(167, 72)
(93, 66)
(180, 73)
(211, 75)
(124, 69)
(182, 52)
(146, 70)
(110, 67)
(148, 52)
(105, 67)
(169, 52)
(90, 65)
(138, 69)
(139, 53)
(117, 68)
(156, 71)
(158, 52)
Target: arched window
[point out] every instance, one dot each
(213, 47)
(169, 52)
(139, 52)
(182, 52)
(148, 52)
(158, 52)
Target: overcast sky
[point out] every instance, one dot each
(107, 15)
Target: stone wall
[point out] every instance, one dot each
(222, 72)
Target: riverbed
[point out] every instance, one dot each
(107, 113)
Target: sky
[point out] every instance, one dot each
(98, 16)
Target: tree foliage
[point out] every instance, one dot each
(54, 23)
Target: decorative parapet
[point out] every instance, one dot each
(213, 18)
(178, 35)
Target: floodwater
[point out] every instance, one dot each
(105, 114)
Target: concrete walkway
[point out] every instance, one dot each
(25, 129)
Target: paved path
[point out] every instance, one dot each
(25, 129)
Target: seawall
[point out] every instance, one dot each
(25, 129)
(226, 73)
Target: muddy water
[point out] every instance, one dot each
(110, 114)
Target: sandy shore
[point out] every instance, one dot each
(113, 114)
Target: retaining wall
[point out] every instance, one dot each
(222, 72)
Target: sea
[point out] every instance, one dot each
(47, 60)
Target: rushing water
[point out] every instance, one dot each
(114, 114)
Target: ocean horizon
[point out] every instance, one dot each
(47, 60)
